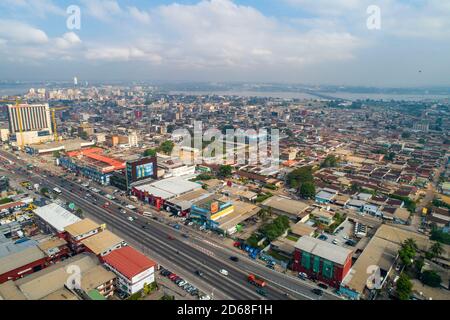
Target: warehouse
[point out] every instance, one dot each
(50, 284)
(53, 218)
(19, 264)
(294, 209)
(157, 193)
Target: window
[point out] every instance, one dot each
(306, 260)
(327, 269)
(316, 266)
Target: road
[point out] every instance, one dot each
(187, 255)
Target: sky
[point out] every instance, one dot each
(286, 41)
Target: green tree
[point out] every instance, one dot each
(83, 135)
(406, 135)
(307, 190)
(431, 278)
(329, 162)
(404, 287)
(407, 252)
(150, 153)
(56, 154)
(225, 171)
(299, 176)
(44, 191)
(167, 147)
(436, 250)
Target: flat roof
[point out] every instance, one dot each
(95, 277)
(128, 261)
(81, 227)
(102, 241)
(9, 247)
(156, 192)
(20, 259)
(46, 283)
(51, 243)
(56, 216)
(9, 291)
(302, 229)
(323, 249)
(176, 185)
(290, 206)
(242, 211)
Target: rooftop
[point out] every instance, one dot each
(290, 206)
(56, 216)
(19, 259)
(128, 261)
(102, 242)
(81, 227)
(323, 249)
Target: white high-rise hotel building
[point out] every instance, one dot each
(30, 123)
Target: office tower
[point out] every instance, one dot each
(75, 81)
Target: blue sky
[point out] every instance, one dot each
(299, 41)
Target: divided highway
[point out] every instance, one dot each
(187, 254)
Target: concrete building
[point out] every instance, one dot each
(133, 269)
(321, 260)
(29, 124)
(284, 206)
(53, 218)
(103, 243)
(77, 232)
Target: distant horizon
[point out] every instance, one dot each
(389, 44)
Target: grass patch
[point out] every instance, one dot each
(5, 200)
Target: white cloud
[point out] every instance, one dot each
(68, 40)
(104, 10)
(18, 32)
(36, 7)
(138, 15)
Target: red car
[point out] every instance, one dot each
(172, 276)
(170, 238)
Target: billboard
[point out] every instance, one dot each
(141, 169)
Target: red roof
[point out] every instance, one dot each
(128, 261)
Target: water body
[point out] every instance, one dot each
(320, 95)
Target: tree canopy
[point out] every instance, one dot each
(404, 287)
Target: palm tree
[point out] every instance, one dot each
(436, 250)
(411, 243)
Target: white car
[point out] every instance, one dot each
(335, 241)
(205, 297)
(131, 219)
(224, 272)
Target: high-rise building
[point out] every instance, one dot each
(75, 81)
(29, 123)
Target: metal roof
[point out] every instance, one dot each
(56, 216)
(323, 249)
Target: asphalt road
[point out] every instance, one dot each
(187, 254)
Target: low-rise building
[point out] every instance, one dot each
(321, 260)
(294, 209)
(53, 218)
(77, 232)
(133, 269)
(103, 243)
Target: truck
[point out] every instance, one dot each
(256, 281)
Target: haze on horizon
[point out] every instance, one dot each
(289, 41)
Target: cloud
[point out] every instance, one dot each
(22, 33)
(68, 40)
(104, 10)
(38, 8)
(140, 16)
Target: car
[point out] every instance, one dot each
(170, 237)
(184, 235)
(190, 223)
(317, 292)
(302, 275)
(131, 219)
(199, 273)
(172, 276)
(323, 286)
(122, 211)
(224, 272)
(323, 237)
(235, 259)
(181, 283)
(335, 242)
(205, 297)
(270, 266)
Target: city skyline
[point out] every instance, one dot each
(292, 41)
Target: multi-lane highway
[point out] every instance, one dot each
(187, 254)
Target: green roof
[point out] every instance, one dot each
(95, 295)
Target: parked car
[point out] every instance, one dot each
(323, 286)
(317, 292)
(302, 275)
